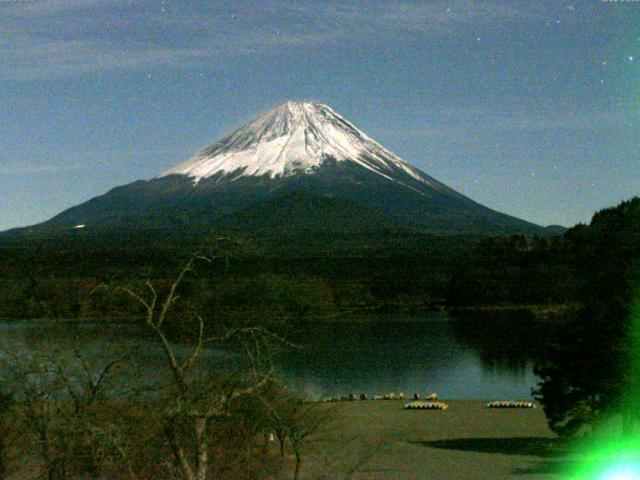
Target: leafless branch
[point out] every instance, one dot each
(198, 348)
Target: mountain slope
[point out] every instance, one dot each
(295, 147)
(298, 214)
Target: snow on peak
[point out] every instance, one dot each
(294, 138)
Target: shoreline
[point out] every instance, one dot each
(382, 440)
(432, 313)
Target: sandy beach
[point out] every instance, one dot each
(381, 440)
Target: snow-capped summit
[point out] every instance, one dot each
(293, 138)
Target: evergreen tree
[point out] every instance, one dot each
(591, 366)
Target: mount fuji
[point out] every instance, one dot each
(298, 167)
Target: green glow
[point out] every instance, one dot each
(614, 460)
(607, 455)
(634, 340)
(622, 472)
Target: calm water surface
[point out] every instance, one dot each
(465, 359)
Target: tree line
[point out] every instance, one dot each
(60, 280)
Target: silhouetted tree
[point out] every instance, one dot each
(196, 399)
(591, 366)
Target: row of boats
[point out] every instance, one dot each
(428, 402)
(427, 405)
(511, 404)
(387, 396)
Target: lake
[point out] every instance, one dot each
(465, 358)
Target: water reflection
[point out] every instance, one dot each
(468, 357)
(459, 358)
(504, 341)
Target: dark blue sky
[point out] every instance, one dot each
(531, 108)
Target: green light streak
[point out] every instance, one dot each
(610, 459)
(608, 455)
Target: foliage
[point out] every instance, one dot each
(268, 277)
(585, 375)
(516, 270)
(595, 267)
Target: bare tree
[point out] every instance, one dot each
(33, 385)
(294, 420)
(207, 417)
(303, 421)
(6, 407)
(196, 401)
(54, 401)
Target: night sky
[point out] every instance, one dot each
(531, 108)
